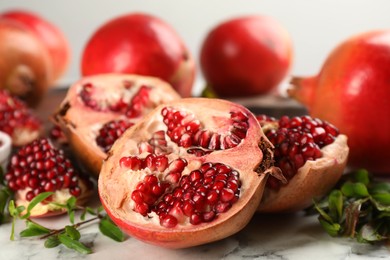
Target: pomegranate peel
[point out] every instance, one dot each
(222, 179)
(355, 80)
(95, 101)
(313, 180)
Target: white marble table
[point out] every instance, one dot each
(293, 236)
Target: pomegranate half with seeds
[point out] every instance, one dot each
(17, 120)
(39, 167)
(312, 155)
(98, 109)
(191, 172)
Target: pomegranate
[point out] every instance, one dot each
(98, 109)
(17, 120)
(191, 172)
(246, 56)
(352, 91)
(50, 36)
(24, 65)
(312, 155)
(140, 44)
(39, 167)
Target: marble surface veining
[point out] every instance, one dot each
(285, 237)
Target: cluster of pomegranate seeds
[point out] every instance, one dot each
(186, 131)
(297, 140)
(39, 167)
(15, 114)
(110, 132)
(130, 107)
(196, 197)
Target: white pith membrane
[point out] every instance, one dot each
(81, 124)
(312, 181)
(116, 183)
(49, 207)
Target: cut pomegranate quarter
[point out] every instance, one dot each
(191, 172)
(311, 154)
(39, 167)
(98, 109)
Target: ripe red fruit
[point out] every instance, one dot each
(50, 36)
(201, 182)
(352, 91)
(25, 64)
(246, 56)
(140, 44)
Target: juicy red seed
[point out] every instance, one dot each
(75, 191)
(141, 208)
(44, 169)
(110, 132)
(30, 195)
(196, 219)
(208, 216)
(297, 140)
(168, 221)
(227, 195)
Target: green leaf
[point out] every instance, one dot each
(34, 229)
(332, 229)
(335, 201)
(109, 229)
(322, 213)
(382, 187)
(71, 202)
(92, 211)
(4, 197)
(71, 216)
(74, 244)
(52, 241)
(362, 176)
(72, 232)
(382, 198)
(358, 190)
(35, 201)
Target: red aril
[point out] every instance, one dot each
(141, 44)
(246, 56)
(39, 167)
(352, 91)
(200, 182)
(24, 66)
(311, 154)
(98, 109)
(51, 37)
(17, 120)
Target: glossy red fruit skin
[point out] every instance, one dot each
(352, 91)
(140, 44)
(25, 64)
(50, 36)
(246, 56)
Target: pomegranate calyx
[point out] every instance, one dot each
(303, 89)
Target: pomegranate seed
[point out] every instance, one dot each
(196, 219)
(168, 221)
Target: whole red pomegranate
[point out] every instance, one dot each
(98, 109)
(312, 156)
(24, 64)
(40, 167)
(141, 44)
(352, 91)
(200, 178)
(246, 56)
(17, 120)
(50, 36)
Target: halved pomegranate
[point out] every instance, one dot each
(17, 120)
(38, 167)
(98, 109)
(191, 172)
(312, 155)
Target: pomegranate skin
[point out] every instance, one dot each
(246, 56)
(352, 91)
(140, 44)
(116, 183)
(50, 36)
(24, 65)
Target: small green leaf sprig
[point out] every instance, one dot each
(358, 207)
(68, 236)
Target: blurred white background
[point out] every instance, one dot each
(316, 27)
